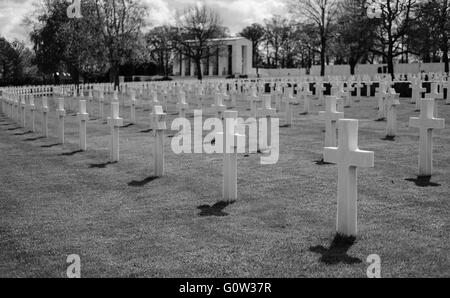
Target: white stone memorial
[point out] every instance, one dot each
(32, 114)
(348, 157)
(330, 116)
(115, 122)
(61, 114)
(392, 102)
(44, 111)
(230, 138)
(83, 117)
(158, 119)
(426, 123)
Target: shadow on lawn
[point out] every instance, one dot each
(337, 252)
(33, 139)
(146, 131)
(71, 153)
(215, 210)
(23, 133)
(423, 181)
(143, 182)
(322, 162)
(101, 165)
(389, 138)
(50, 146)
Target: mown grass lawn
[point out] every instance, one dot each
(55, 202)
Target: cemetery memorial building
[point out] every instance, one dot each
(232, 57)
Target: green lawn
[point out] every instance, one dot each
(123, 223)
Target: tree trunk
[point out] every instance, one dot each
(444, 50)
(198, 64)
(390, 61)
(323, 44)
(256, 63)
(115, 76)
(352, 67)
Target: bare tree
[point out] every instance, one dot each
(255, 33)
(199, 35)
(389, 36)
(120, 22)
(354, 32)
(321, 13)
(160, 43)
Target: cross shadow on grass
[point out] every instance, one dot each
(423, 181)
(142, 182)
(389, 138)
(215, 210)
(22, 133)
(380, 120)
(33, 139)
(14, 128)
(322, 162)
(50, 146)
(337, 252)
(71, 153)
(285, 126)
(128, 125)
(101, 165)
(146, 131)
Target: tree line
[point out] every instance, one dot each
(113, 38)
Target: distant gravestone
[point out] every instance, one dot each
(330, 116)
(115, 122)
(182, 104)
(266, 112)
(219, 108)
(230, 138)
(101, 100)
(348, 157)
(32, 114)
(158, 120)
(133, 106)
(392, 102)
(44, 111)
(83, 117)
(23, 112)
(426, 123)
(61, 113)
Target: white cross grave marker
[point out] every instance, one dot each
(392, 102)
(44, 110)
(158, 119)
(219, 108)
(330, 116)
(32, 111)
(426, 123)
(230, 141)
(348, 157)
(61, 113)
(115, 122)
(268, 112)
(83, 117)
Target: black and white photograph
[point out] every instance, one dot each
(224, 144)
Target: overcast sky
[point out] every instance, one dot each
(236, 14)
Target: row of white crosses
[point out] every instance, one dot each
(348, 156)
(16, 108)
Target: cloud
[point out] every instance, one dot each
(12, 14)
(236, 14)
